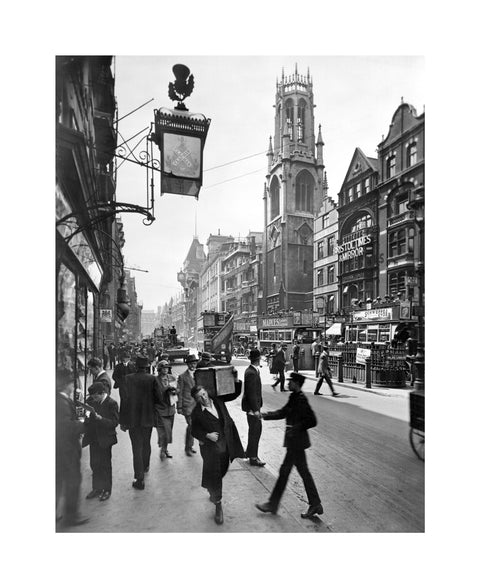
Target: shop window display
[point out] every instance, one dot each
(66, 319)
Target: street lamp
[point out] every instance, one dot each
(180, 136)
(417, 204)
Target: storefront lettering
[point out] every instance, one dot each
(274, 322)
(353, 248)
(375, 314)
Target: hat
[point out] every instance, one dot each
(163, 363)
(296, 377)
(142, 362)
(96, 388)
(254, 354)
(191, 358)
(206, 355)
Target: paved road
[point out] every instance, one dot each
(367, 475)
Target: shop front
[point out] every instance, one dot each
(78, 278)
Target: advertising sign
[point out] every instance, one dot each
(106, 315)
(362, 354)
(374, 314)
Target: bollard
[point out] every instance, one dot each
(340, 369)
(368, 372)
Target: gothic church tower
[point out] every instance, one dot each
(293, 195)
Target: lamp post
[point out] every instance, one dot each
(417, 204)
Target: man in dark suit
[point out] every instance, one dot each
(218, 438)
(186, 403)
(278, 367)
(142, 392)
(95, 366)
(251, 404)
(300, 417)
(100, 435)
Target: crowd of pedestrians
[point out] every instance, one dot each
(149, 401)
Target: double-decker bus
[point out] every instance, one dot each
(215, 335)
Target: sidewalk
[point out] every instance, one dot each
(174, 502)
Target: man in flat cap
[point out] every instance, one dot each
(300, 417)
(251, 404)
(186, 403)
(137, 410)
(205, 360)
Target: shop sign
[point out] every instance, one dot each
(253, 329)
(404, 310)
(106, 315)
(362, 355)
(374, 314)
(265, 323)
(352, 248)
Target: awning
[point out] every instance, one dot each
(335, 329)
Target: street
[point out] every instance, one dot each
(368, 478)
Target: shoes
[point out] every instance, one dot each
(105, 495)
(317, 394)
(192, 450)
(335, 393)
(74, 522)
(266, 507)
(283, 390)
(138, 484)
(168, 454)
(218, 513)
(93, 494)
(312, 510)
(254, 461)
(273, 387)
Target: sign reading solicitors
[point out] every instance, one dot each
(352, 247)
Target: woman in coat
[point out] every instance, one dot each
(218, 438)
(165, 410)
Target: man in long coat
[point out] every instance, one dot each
(278, 367)
(142, 393)
(251, 404)
(186, 403)
(300, 417)
(218, 438)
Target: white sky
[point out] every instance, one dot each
(355, 97)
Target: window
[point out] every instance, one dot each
(289, 113)
(331, 304)
(320, 250)
(349, 195)
(304, 191)
(274, 198)
(397, 243)
(412, 154)
(320, 304)
(401, 204)
(325, 221)
(330, 245)
(358, 190)
(390, 166)
(366, 185)
(331, 274)
(274, 269)
(320, 277)
(301, 121)
(362, 222)
(396, 283)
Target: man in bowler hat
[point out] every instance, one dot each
(251, 404)
(142, 393)
(300, 417)
(186, 403)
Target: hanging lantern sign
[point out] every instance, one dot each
(180, 136)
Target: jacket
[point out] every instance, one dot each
(279, 361)
(185, 383)
(118, 375)
(166, 386)
(299, 416)
(142, 393)
(102, 430)
(204, 422)
(252, 390)
(105, 380)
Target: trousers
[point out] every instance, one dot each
(215, 466)
(140, 438)
(254, 433)
(280, 379)
(327, 379)
(297, 458)
(188, 433)
(101, 464)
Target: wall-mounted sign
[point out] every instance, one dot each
(352, 247)
(404, 310)
(362, 355)
(275, 322)
(106, 315)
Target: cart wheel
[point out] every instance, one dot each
(417, 441)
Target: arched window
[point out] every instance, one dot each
(289, 114)
(304, 185)
(362, 222)
(301, 121)
(274, 198)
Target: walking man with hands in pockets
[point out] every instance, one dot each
(251, 404)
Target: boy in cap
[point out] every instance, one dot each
(300, 417)
(100, 435)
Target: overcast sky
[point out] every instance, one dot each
(355, 99)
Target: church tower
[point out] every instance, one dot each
(293, 195)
